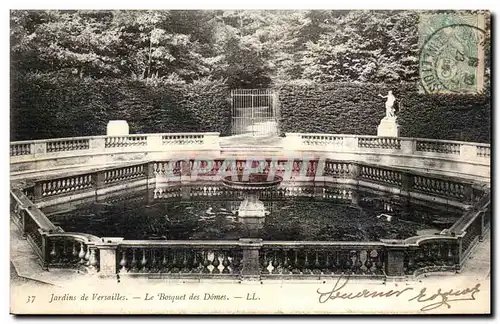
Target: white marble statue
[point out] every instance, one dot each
(389, 105)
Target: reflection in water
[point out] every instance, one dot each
(211, 212)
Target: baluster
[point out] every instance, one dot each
(358, 263)
(87, 256)
(74, 253)
(328, 263)
(450, 260)
(216, 263)
(133, 263)
(295, 269)
(81, 255)
(164, 261)
(64, 256)
(306, 269)
(53, 253)
(369, 261)
(206, 262)
(347, 262)
(275, 263)
(185, 262)
(93, 262)
(225, 262)
(143, 262)
(176, 263)
(316, 266)
(196, 262)
(123, 263)
(265, 263)
(286, 265)
(154, 266)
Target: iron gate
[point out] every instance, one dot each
(254, 111)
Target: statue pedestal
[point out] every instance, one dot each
(388, 127)
(117, 128)
(252, 214)
(252, 207)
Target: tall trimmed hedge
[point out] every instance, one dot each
(50, 107)
(350, 108)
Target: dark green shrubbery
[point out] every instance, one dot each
(48, 106)
(45, 106)
(350, 108)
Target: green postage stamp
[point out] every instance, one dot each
(452, 58)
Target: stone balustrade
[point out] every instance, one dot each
(405, 145)
(61, 145)
(254, 258)
(150, 158)
(433, 156)
(179, 258)
(71, 250)
(322, 259)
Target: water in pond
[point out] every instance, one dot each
(209, 213)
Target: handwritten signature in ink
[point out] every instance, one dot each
(438, 299)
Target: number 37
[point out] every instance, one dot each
(31, 299)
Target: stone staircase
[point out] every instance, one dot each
(248, 146)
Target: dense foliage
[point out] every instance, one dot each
(248, 48)
(72, 70)
(350, 108)
(51, 107)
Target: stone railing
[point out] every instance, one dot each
(125, 141)
(35, 157)
(101, 143)
(322, 259)
(177, 258)
(71, 250)
(433, 156)
(400, 181)
(405, 145)
(253, 258)
(64, 188)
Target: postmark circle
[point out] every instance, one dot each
(450, 59)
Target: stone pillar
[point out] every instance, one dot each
(37, 191)
(39, 148)
(154, 142)
(483, 226)
(458, 266)
(150, 172)
(408, 146)
(388, 127)
(250, 267)
(350, 143)
(107, 256)
(354, 171)
(406, 182)
(97, 143)
(98, 179)
(394, 259)
(211, 140)
(45, 250)
(117, 128)
(292, 142)
(24, 215)
(355, 198)
(468, 194)
(185, 171)
(186, 192)
(468, 152)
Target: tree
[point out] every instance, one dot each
(365, 46)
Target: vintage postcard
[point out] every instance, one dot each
(250, 162)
